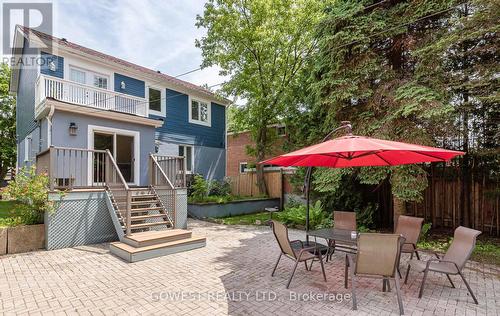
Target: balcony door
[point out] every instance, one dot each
(123, 146)
(83, 95)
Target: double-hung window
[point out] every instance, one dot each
(154, 99)
(77, 75)
(187, 152)
(199, 112)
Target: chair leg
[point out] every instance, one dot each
(399, 273)
(276, 265)
(398, 294)
(468, 287)
(388, 285)
(383, 285)
(418, 256)
(346, 270)
(451, 282)
(353, 289)
(407, 273)
(311, 265)
(293, 272)
(421, 292)
(305, 263)
(322, 266)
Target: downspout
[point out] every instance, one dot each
(49, 125)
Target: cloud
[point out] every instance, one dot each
(156, 34)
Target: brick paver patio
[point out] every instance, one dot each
(229, 276)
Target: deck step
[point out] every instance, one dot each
(146, 225)
(134, 254)
(144, 217)
(142, 209)
(156, 237)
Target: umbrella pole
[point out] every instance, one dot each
(307, 188)
(344, 125)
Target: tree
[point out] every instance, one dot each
(7, 123)
(262, 45)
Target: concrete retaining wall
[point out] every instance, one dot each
(231, 208)
(21, 239)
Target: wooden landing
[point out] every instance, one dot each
(152, 244)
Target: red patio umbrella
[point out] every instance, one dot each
(358, 151)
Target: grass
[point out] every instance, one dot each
(9, 214)
(246, 219)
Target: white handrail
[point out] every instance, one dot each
(80, 94)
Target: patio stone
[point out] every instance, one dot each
(231, 275)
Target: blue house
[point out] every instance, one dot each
(115, 133)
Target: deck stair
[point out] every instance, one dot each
(150, 244)
(148, 213)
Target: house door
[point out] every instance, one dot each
(122, 149)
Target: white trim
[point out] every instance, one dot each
(185, 159)
(115, 131)
(209, 112)
(27, 149)
(163, 101)
(239, 167)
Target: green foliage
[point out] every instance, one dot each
(294, 214)
(424, 233)
(408, 182)
(262, 45)
(30, 191)
(7, 123)
(220, 188)
(199, 187)
(364, 216)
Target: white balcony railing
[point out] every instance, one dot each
(80, 94)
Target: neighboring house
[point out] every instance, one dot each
(124, 104)
(239, 161)
(119, 139)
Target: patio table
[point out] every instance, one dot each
(343, 242)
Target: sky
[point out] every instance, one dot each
(156, 34)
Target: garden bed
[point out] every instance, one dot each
(237, 207)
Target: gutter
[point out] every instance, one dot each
(49, 125)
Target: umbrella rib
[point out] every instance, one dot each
(387, 162)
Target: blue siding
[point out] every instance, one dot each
(177, 129)
(133, 86)
(58, 60)
(25, 100)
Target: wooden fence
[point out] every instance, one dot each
(245, 184)
(443, 205)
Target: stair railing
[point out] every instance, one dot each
(119, 188)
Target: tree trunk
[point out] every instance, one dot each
(399, 209)
(261, 155)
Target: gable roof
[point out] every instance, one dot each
(157, 76)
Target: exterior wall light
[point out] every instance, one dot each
(52, 66)
(72, 128)
(122, 85)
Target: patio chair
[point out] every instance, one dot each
(294, 250)
(409, 227)
(454, 260)
(342, 220)
(377, 257)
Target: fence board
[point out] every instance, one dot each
(245, 184)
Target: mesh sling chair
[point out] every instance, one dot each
(409, 227)
(377, 257)
(342, 220)
(297, 253)
(454, 260)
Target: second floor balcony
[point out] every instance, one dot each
(86, 95)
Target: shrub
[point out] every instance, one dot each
(364, 216)
(295, 214)
(199, 187)
(220, 188)
(30, 190)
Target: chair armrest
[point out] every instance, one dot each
(440, 260)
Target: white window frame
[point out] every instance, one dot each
(185, 159)
(163, 101)
(244, 170)
(89, 77)
(27, 147)
(71, 68)
(115, 131)
(209, 112)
